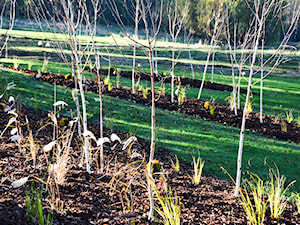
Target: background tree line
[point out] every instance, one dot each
(200, 19)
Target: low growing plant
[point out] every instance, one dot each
(255, 213)
(283, 126)
(181, 96)
(297, 200)
(289, 116)
(276, 193)
(33, 202)
(256, 209)
(108, 83)
(198, 167)
(176, 165)
(168, 206)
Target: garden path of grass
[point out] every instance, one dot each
(182, 134)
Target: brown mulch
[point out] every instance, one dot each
(88, 200)
(271, 126)
(184, 81)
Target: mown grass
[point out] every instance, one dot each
(182, 134)
(199, 52)
(281, 94)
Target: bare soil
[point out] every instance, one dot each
(87, 198)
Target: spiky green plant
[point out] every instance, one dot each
(168, 205)
(198, 167)
(276, 193)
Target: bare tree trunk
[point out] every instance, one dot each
(11, 8)
(245, 112)
(134, 48)
(152, 144)
(101, 113)
(212, 66)
(261, 83)
(205, 68)
(191, 62)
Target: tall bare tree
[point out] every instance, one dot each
(261, 10)
(218, 27)
(151, 16)
(176, 18)
(8, 13)
(76, 23)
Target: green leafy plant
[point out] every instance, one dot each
(255, 212)
(176, 165)
(230, 100)
(33, 202)
(144, 90)
(256, 209)
(276, 192)
(198, 167)
(156, 166)
(289, 116)
(167, 206)
(91, 65)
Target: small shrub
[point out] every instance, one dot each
(207, 104)
(255, 213)
(33, 202)
(156, 166)
(181, 96)
(16, 62)
(108, 83)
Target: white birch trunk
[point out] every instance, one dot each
(261, 83)
(134, 48)
(245, 113)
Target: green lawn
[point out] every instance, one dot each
(281, 94)
(180, 133)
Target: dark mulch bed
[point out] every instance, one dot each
(194, 83)
(87, 198)
(270, 127)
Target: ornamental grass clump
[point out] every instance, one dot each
(297, 200)
(176, 165)
(198, 167)
(276, 193)
(255, 212)
(167, 205)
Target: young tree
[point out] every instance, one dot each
(151, 16)
(75, 21)
(218, 27)
(8, 12)
(261, 10)
(176, 18)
